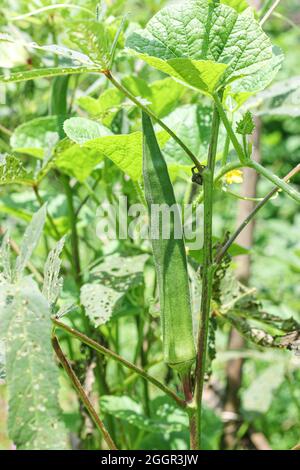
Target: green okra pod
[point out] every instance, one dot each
(169, 255)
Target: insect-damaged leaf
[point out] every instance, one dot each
(16, 77)
(31, 238)
(113, 278)
(52, 281)
(204, 44)
(32, 376)
(12, 171)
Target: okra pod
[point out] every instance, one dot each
(169, 256)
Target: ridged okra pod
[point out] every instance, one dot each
(169, 256)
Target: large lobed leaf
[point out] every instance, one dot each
(204, 44)
(31, 373)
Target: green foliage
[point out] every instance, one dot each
(258, 397)
(246, 125)
(71, 136)
(31, 373)
(12, 171)
(34, 421)
(111, 280)
(213, 55)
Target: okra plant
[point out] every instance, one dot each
(107, 334)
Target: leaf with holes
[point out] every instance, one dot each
(31, 239)
(111, 281)
(206, 45)
(17, 77)
(52, 281)
(12, 171)
(31, 374)
(92, 38)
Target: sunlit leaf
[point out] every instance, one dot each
(33, 136)
(204, 44)
(31, 239)
(52, 281)
(15, 77)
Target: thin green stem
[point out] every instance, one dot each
(251, 163)
(83, 396)
(207, 274)
(107, 352)
(230, 132)
(226, 150)
(269, 12)
(281, 184)
(223, 171)
(136, 101)
(230, 241)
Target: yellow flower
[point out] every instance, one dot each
(234, 176)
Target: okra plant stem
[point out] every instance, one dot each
(83, 396)
(107, 352)
(207, 275)
(244, 159)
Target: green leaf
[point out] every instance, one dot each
(246, 125)
(162, 95)
(167, 418)
(16, 77)
(52, 281)
(234, 250)
(33, 136)
(253, 83)
(192, 124)
(112, 279)
(12, 171)
(31, 239)
(2, 361)
(238, 5)
(52, 48)
(259, 395)
(81, 130)
(199, 74)
(125, 150)
(282, 98)
(203, 44)
(105, 107)
(76, 160)
(92, 38)
(31, 374)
